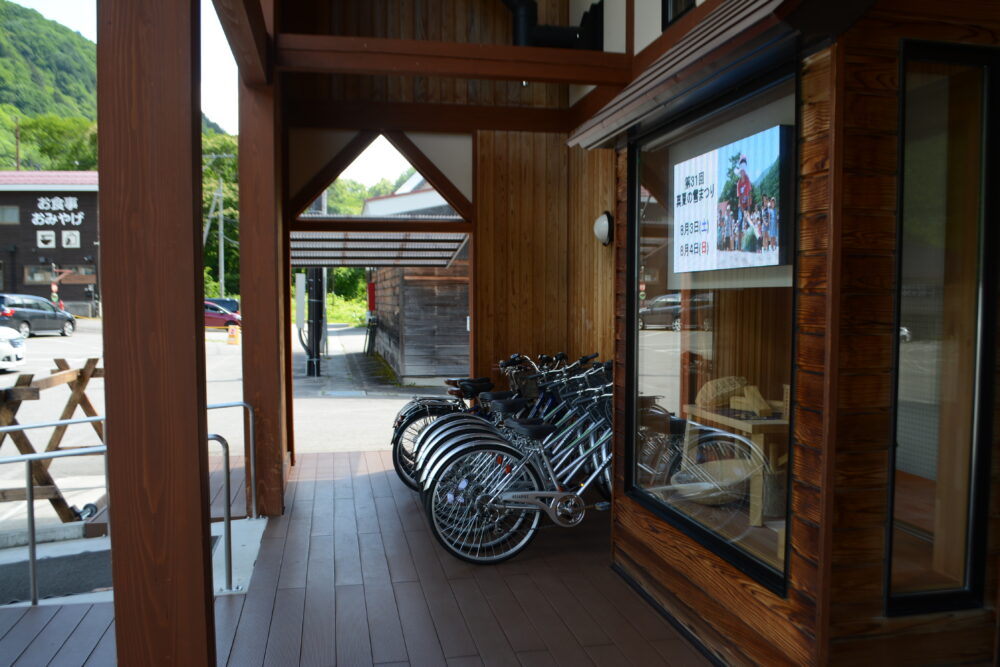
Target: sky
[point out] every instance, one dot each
(219, 89)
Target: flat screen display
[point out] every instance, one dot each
(728, 205)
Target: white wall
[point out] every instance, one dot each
(614, 34)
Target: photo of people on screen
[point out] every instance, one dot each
(748, 204)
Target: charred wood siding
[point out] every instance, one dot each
(436, 340)
(389, 303)
(870, 88)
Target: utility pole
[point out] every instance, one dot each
(222, 244)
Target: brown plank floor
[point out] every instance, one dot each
(351, 575)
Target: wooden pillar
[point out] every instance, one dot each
(151, 271)
(263, 281)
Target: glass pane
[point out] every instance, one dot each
(715, 329)
(939, 325)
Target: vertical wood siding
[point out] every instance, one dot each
(521, 253)
(590, 307)
(462, 21)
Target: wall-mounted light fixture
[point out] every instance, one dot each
(604, 228)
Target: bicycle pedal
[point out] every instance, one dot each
(602, 506)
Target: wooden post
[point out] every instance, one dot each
(262, 282)
(148, 105)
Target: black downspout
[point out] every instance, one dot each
(525, 30)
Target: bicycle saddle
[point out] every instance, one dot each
(496, 395)
(531, 430)
(454, 382)
(510, 405)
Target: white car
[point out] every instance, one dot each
(12, 348)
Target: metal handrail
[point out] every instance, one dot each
(253, 447)
(29, 491)
(227, 518)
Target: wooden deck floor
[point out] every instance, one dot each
(351, 575)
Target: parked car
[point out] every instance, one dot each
(12, 348)
(33, 314)
(232, 305)
(665, 311)
(217, 316)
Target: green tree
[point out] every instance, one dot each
(220, 166)
(61, 143)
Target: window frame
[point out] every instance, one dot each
(972, 594)
(17, 215)
(667, 18)
(745, 91)
(29, 281)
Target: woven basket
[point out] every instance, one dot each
(716, 393)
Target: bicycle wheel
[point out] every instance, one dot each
(404, 443)
(716, 476)
(463, 516)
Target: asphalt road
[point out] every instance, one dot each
(331, 413)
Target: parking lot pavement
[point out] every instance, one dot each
(349, 408)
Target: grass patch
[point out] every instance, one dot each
(384, 370)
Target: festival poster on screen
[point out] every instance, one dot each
(727, 206)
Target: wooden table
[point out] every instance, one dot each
(758, 431)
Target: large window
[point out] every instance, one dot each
(947, 314)
(713, 327)
(38, 274)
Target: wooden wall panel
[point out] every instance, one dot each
(543, 283)
(867, 213)
(389, 303)
(478, 22)
(591, 265)
(522, 200)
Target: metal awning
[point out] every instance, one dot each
(375, 249)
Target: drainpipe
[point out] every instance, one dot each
(526, 31)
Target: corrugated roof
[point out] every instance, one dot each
(48, 180)
(375, 248)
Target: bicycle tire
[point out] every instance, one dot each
(460, 516)
(404, 441)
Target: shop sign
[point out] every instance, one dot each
(52, 211)
(45, 239)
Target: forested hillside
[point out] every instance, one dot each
(48, 85)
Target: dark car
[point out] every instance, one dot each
(665, 311)
(232, 305)
(217, 316)
(33, 314)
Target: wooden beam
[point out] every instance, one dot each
(415, 117)
(243, 23)
(329, 172)
(430, 171)
(368, 55)
(150, 143)
(329, 224)
(262, 269)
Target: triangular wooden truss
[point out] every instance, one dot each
(424, 165)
